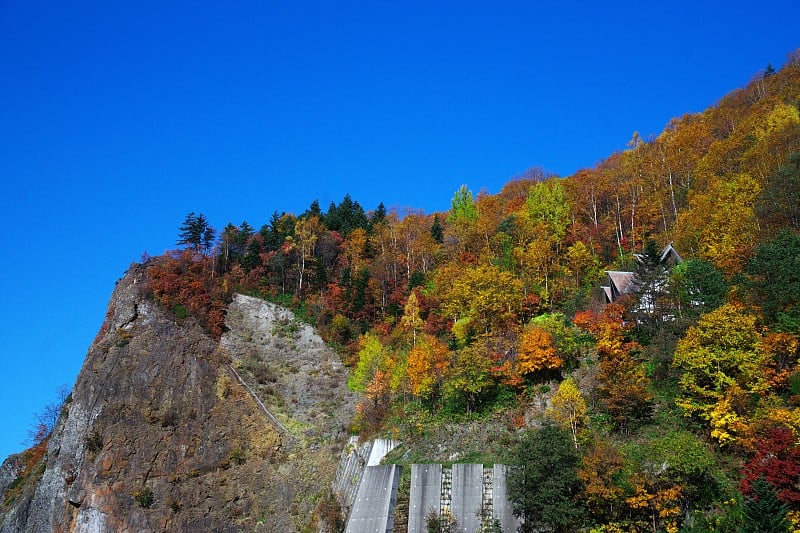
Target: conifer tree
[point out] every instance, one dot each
(544, 489)
(763, 511)
(196, 232)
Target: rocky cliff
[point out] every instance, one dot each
(168, 429)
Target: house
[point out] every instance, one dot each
(621, 283)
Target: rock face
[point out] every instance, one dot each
(161, 435)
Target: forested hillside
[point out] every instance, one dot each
(678, 401)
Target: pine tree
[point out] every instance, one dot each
(763, 511)
(544, 489)
(196, 232)
(437, 231)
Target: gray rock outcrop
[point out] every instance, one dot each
(161, 436)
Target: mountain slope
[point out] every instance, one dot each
(159, 434)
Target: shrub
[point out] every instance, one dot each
(144, 497)
(94, 441)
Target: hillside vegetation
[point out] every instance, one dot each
(680, 400)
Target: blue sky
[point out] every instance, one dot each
(119, 118)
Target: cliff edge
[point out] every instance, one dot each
(168, 429)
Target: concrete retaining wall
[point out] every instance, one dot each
(373, 509)
(467, 496)
(502, 509)
(469, 493)
(425, 496)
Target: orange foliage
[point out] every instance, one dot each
(428, 362)
(537, 352)
(782, 350)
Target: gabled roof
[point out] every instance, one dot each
(609, 294)
(623, 282)
(670, 251)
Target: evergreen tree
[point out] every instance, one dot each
(378, 216)
(697, 287)
(774, 284)
(651, 280)
(763, 511)
(346, 216)
(437, 231)
(196, 232)
(545, 487)
(313, 210)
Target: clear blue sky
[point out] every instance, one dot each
(118, 118)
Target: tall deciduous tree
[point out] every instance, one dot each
(537, 352)
(568, 408)
(720, 362)
(428, 363)
(482, 296)
(548, 207)
(371, 357)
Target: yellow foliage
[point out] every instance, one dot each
(781, 116)
(428, 362)
(641, 499)
(568, 408)
(483, 295)
(722, 364)
(721, 418)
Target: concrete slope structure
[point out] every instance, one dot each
(502, 511)
(373, 509)
(472, 496)
(425, 496)
(356, 457)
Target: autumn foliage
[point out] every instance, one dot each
(498, 298)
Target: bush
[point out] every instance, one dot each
(94, 441)
(144, 497)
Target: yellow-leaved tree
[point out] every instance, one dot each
(722, 366)
(568, 408)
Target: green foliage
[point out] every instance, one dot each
(346, 216)
(547, 206)
(720, 363)
(179, 310)
(371, 357)
(774, 280)
(144, 497)
(544, 488)
(568, 340)
(763, 511)
(698, 286)
(470, 382)
(196, 232)
(779, 203)
(236, 456)
(463, 209)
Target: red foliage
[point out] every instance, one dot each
(777, 458)
(185, 280)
